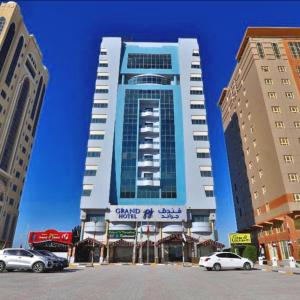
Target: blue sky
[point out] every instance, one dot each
(69, 35)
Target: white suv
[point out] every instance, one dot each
(13, 259)
(225, 260)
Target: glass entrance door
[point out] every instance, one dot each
(175, 252)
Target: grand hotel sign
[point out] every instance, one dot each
(147, 213)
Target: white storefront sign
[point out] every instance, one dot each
(147, 213)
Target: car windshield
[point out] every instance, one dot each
(211, 254)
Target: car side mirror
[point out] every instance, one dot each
(31, 255)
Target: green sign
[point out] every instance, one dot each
(122, 234)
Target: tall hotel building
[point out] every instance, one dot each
(23, 80)
(148, 168)
(261, 117)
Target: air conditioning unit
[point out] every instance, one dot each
(212, 216)
(82, 215)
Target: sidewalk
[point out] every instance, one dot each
(280, 269)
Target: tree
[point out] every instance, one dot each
(250, 253)
(76, 234)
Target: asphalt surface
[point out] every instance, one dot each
(149, 282)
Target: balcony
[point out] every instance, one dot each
(149, 114)
(149, 163)
(149, 129)
(148, 181)
(94, 227)
(149, 146)
(201, 227)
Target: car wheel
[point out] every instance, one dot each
(38, 267)
(247, 266)
(208, 269)
(217, 267)
(2, 266)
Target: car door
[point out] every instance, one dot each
(222, 259)
(11, 258)
(25, 258)
(234, 260)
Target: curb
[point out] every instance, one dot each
(286, 272)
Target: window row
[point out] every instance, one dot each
(284, 81)
(280, 124)
(288, 95)
(267, 69)
(261, 52)
(277, 109)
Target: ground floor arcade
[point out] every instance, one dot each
(173, 248)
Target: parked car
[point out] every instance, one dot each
(64, 261)
(57, 265)
(225, 260)
(20, 259)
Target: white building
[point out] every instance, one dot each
(148, 171)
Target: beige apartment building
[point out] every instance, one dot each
(261, 119)
(23, 79)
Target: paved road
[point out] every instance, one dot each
(149, 282)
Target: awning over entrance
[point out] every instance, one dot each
(177, 237)
(50, 246)
(211, 243)
(121, 243)
(89, 242)
(144, 244)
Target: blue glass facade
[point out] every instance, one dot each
(154, 181)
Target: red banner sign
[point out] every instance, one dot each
(50, 235)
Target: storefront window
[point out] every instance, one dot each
(284, 248)
(297, 223)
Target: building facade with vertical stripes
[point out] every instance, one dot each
(261, 118)
(148, 167)
(23, 80)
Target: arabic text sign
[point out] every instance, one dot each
(50, 235)
(240, 238)
(147, 213)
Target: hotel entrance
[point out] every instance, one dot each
(175, 252)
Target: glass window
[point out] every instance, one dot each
(2, 23)
(297, 223)
(101, 90)
(295, 49)
(203, 155)
(276, 50)
(93, 154)
(197, 106)
(11, 252)
(14, 61)
(95, 218)
(6, 45)
(36, 98)
(86, 192)
(90, 172)
(149, 61)
(200, 218)
(15, 124)
(30, 68)
(260, 50)
(222, 255)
